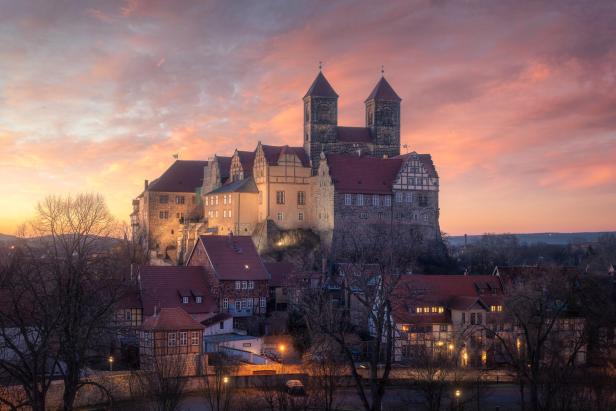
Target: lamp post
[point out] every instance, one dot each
(281, 348)
(458, 394)
(110, 361)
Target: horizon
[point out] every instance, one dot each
(515, 102)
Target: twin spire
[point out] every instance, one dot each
(382, 91)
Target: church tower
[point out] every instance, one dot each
(320, 118)
(383, 119)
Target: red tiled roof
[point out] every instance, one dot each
(247, 159)
(184, 176)
(234, 257)
(354, 174)
(161, 287)
(216, 319)
(383, 91)
(130, 299)
(273, 153)
(279, 272)
(458, 292)
(169, 319)
(321, 88)
(354, 134)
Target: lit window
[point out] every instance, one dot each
(348, 199)
(244, 285)
(419, 310)
(216, 200)
(207, 201)
(171, 337)
(434, 309)
(426, 309)
(224, 213)
(183, 338)
(238, 285)
(229, 213)
(441, 310)
(198, 299)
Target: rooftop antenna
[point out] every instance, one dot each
(320, 65)
(406, 148)
(382, 70)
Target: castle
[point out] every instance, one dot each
(341, 178)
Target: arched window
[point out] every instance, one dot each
(323, 114)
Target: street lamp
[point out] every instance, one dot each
(225, 380)
(458, 394)
(281, 348)
(110, 361)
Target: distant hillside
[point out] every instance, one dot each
(5, 238)
(533, 238)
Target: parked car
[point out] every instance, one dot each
(295, 387)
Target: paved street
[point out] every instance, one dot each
(503, 397)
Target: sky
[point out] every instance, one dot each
(515, 100)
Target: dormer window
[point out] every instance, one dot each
(198, 299)
(184, 300)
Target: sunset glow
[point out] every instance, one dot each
(516, 103)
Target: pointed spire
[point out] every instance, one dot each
(320, 87)
(383, 91)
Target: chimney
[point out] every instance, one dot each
(145, 184)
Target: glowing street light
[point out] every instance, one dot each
(458, 393)
(281, 348)
(225, 380)
(110, 361)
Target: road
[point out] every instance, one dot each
(502, 397)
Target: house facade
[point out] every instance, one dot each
(234, 272)
(171, 343)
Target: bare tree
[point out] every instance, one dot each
(548, 319)
(326, 367)
(162, 386)
(217, 388)
(64, 291)
(28, 324)
(375, 258)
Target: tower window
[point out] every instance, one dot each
(323, 114)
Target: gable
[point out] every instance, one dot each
(414, 175)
